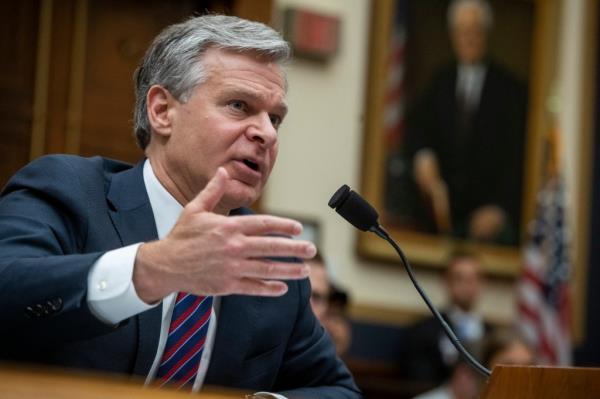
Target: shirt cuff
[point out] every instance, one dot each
(111, 295)
(268, 395)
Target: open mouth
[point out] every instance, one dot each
(251, 165)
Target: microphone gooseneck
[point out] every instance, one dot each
(356, 210)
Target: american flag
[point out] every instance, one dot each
(543, 290)
(394, 85)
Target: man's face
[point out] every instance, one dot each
(469, 36)
(230, 120)
(319, 291)
(464, 283)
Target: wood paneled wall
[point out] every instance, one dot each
(18, 39)
(66, 86)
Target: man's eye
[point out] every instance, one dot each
(275, 120)
(238, 105)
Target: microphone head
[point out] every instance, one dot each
(354, 208)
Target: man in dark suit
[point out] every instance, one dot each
(466, 138)
(430, 356)
(157, 269)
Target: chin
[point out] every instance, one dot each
(239, 198)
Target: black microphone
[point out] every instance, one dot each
(356, 210)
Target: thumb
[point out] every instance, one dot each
(209, 197)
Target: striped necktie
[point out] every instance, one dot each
(185, 343)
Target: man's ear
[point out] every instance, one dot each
(158, 104)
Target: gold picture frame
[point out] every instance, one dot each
(434, 250)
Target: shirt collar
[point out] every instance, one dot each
(165, 207)
(457, 315)
(478, 68)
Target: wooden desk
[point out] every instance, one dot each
(22, 383)
(536, 382)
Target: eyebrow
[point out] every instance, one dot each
(255, 95)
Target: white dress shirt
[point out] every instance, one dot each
(111, 293)
(469, 84)
(469, 328)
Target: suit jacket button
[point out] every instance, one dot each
(31, 312)
(55, 304)
(41, 311)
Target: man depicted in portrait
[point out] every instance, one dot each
(465, 138)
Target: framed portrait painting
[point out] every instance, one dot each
(455, 115)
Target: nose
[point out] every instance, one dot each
(262, 130)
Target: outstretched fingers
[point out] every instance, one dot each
(257, 287)
(267, 269)
(273, 246)
(267, 224)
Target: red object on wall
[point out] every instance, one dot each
(311, 34)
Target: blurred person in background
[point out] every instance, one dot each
(337, 322)
(329, 303)
(463, 383)
(319, 286)
(500, 347)
(429, 354)
(507, 347)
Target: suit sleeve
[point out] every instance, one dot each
(310, 360)
(43, 269)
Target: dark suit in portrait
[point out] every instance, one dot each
(480, 150)
(59, 214)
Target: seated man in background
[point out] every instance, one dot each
(320, 288)
(159, 269)
(463, 382)
(329, 304)
(337, 322)
(501, 347)
(429, 355)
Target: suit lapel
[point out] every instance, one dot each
(133, 219)
(131, 212)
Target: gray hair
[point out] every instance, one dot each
(174, 60)
(484, 7)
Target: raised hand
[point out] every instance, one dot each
(210, 254)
